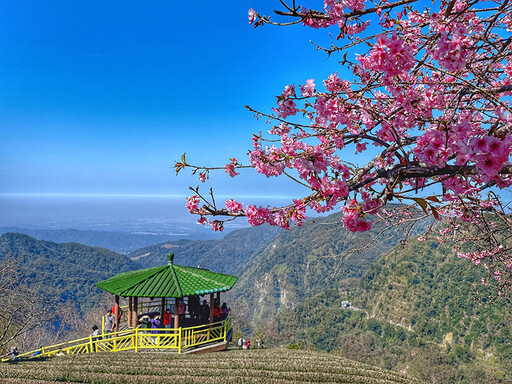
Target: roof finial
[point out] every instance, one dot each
(170, 257)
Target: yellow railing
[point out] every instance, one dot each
(139, 338)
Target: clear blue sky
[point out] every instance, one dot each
(102, 97)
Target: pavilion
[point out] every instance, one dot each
(165, 282)
(169, 281)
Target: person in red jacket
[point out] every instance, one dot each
(167, 318)
(217, 313)
(114, 312)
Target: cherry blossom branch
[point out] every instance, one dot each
(431, 88)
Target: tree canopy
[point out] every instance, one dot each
(430, 89)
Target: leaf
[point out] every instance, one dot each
(435, 213)
(183, 158)
(178, 167)
(433, 198)
(422, 203)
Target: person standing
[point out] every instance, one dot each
(110, 323)
(205, 312)
(95, 331)
(167, 320)
(225, 311)
(182, 309)
(120, 313)
(217, 313)
(193, 308)
(155, 324)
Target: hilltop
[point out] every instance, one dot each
(252, 366)
(226, 255)
(122, 242)
(415, 307)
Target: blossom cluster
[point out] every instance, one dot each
(426, 106)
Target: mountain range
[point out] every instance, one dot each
(413, 306)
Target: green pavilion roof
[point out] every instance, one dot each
(168, 281)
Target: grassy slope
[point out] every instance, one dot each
(254, 366)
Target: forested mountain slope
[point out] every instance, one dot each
(122, 242)
(225, 255)
(306, 260)
(422, 310)
(69, 269)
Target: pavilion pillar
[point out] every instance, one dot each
(218, 297)
(162, 313)
(176, 314)
(211, 307)
(135, 312)
(116, 313)
(130, 316)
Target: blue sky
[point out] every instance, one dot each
(102, 97)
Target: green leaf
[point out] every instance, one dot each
(422, 203)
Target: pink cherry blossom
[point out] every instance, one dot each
(424, 102)
(234, 206)
(252, 16)
(203, 176)
(230, 167)
(217, 225)
(308, 89)
(193, 203)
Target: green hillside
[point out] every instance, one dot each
(421, 310)
(306, 260)
(71, 269)
(225, 255)
(415, 307)
(425, 287)
(252, 366)
(121, 242)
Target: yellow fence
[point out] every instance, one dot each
(177, 339)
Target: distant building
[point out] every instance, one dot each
(345, 304)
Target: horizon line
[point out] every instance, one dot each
(133, 195)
